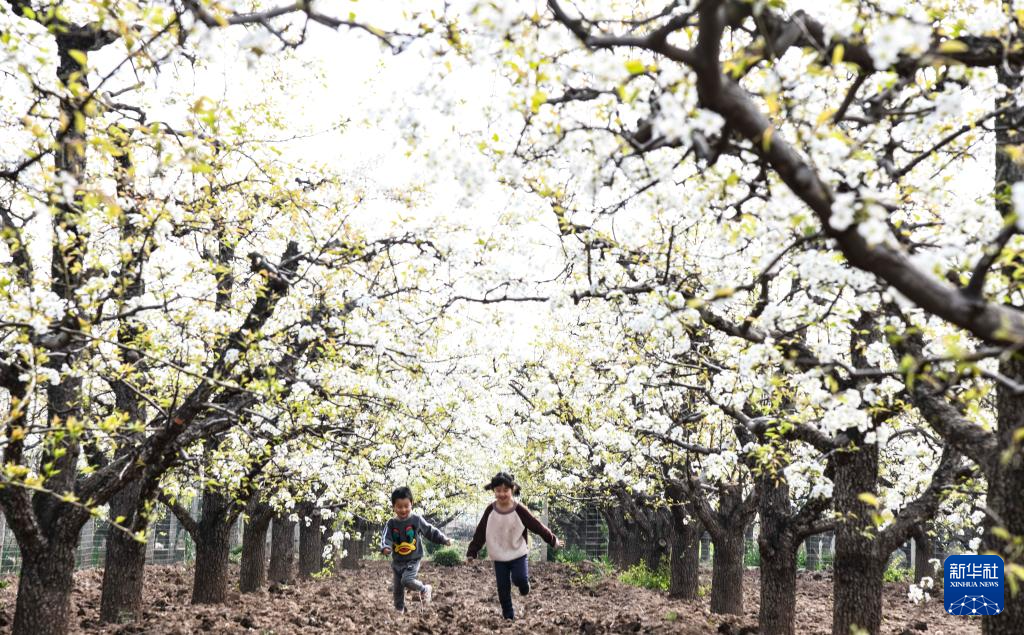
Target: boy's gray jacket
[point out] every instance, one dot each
(405, 537)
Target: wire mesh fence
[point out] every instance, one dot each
(167, 543)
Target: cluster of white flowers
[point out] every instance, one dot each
(920, 593)
(897, 37)
(678, 118)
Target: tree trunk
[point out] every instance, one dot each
(1004, 499)
(310, 545)
(923, 552)
(124, 562)
(778, 586)
(212, 536)
(624, 542)
(361, 540)
(125, 558)
(253, 574)
(354, 545)
(727, 571)
(684, 567)
(656, 536)
(778, 543)
(858, 566)
(213, 546)
(615, 539)
(858, 597)
(1006, 473)
(633, 547)
(44, 590)
(282, 550)
(1004, 494)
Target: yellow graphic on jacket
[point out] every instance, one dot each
(404, 544)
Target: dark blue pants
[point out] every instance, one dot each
(508, 573)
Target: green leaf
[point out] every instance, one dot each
(837, 54)
(80, 57)
(635, 67)
(868, 499)
(953, 46)
(1018, 435)
(537, 101)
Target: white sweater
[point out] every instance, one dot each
(506, 536)
(504, 533)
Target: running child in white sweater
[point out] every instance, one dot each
(504, 528)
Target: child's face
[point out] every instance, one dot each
(503, 494)
(402, 508)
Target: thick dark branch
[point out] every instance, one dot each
(808, 521)
(978, 444)
(701, 507)
(689, 447)
(656, 41)
(976, 285)
(15, 501)
(804, 31)
(820, 526)
(182, 514)
(990, 321)
(16, 246)
(263, 19)
(103, 483)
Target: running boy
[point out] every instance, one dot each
(402, 540)
(504, 528)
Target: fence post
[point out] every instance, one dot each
(913, 555)
(3, 542)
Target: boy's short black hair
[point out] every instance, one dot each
(506, 479)
(400, 493)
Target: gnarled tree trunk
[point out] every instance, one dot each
(924, 551)
(1006, 472)
(253, 573)
(44, 590)
(858, 562)
(727, 571)
(624, 549)
(684, 565)
(310, 543)
(124, 561)
(782, 530)
(282, 550)
(213, 549)
(355, 544)
(727, 526)
(1005, 487)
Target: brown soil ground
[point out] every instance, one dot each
(564, 601)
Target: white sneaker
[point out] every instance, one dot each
(426, 594)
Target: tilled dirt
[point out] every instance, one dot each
(564, 600)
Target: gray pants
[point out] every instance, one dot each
(405, 578)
